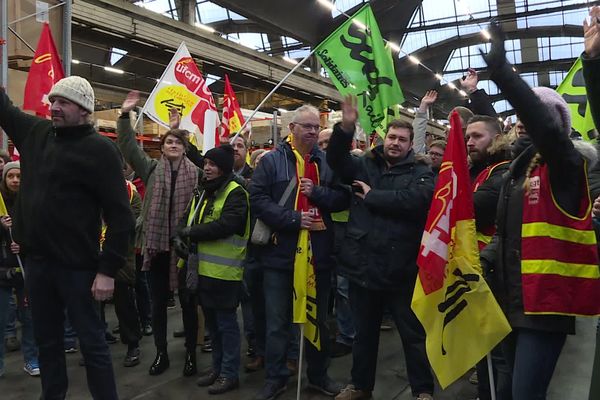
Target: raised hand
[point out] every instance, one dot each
(174, 118)
(131, 101)
(427, 100)
(497, 55)
(349, 113)
(469, 82)
(591, 33)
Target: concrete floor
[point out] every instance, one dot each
(571, 379)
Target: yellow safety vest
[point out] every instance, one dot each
(222, 258)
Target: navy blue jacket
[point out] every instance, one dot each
(269, 181)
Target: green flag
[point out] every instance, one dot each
(572, 89)
(358, 62)
(391, 113)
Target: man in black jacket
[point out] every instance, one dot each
(269, 182)
(379, 251)
(71, 176)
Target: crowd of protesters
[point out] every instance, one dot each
(87, 221)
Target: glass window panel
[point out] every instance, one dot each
(210, 12)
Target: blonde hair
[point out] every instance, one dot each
(535, 161)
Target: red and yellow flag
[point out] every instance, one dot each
(462, 320)
(232, 119)
(44, 72)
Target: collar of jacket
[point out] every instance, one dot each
(315, 153)
(376, 153)
(74, 132)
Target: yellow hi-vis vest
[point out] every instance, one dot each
(222, 258)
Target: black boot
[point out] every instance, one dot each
(160, 364)
(189, 367)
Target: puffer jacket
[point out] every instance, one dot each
(383, 235)
(269, 181)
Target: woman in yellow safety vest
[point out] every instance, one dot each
(217, 227)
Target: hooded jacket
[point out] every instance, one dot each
(267, 186)
(383, 234)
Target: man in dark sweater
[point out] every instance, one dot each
(71, 176)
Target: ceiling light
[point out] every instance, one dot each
(282, 110)
(462, 93)
(114, 70)
(451, 85)
(394, 46)
(439, 77)
(486, 34)
(327, 4)
(74, 61)
(414, 59)
(204, 27)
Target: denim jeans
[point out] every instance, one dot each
(11, 319)
(53, 289)
(28, 347)
(343, 313)
(278, 306)
(253, 278)
(533, 356)
(367, 308)
(226, 341)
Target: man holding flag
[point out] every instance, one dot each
(392, 194)
(296, 172)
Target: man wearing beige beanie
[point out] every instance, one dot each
(70, 177)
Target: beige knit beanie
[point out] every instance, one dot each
(75, 89)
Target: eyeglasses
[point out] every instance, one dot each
(308, 127)
(434, 154)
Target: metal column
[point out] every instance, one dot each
(4, 63)
(66, 37)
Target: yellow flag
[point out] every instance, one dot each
(3, 210)
(462, 320)
(305, 290)
(305, 281)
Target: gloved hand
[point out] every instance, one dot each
(497, 55)
(180, 247)
(184, 232)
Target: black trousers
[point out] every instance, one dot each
(52, 288)
(159, 287)
(126, 310)
(188, 299)
(367, 310)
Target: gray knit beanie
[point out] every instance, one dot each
(75, 89)
(557, 105)
(9, 166)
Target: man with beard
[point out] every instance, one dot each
(489, 154)
(240, 151)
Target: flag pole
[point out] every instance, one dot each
(300, 356)
(273, 91)
(491, 375)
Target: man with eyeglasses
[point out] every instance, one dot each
(436, 154)
(297, 167)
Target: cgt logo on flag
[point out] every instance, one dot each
(460, 316)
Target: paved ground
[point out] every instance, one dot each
(570, 382)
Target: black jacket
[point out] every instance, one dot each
(218, 293)
(69, 176)
(384, 231)
(480, 103)
(501, 258)
(268, 183)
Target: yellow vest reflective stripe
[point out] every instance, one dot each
(340, 216)
(223, 258)
(534, 229)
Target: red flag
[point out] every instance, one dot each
(232, 119)
(452, 202)
(44, 72)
